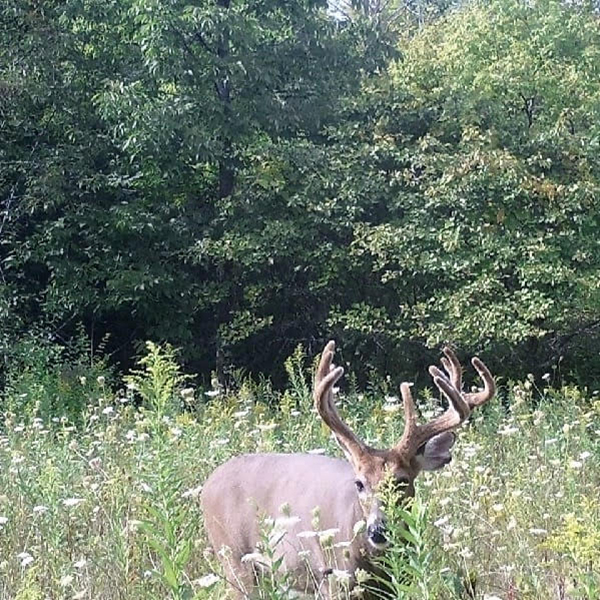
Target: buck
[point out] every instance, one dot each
(246, 488)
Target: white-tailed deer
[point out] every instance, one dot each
(249, 487)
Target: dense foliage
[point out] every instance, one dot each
(238, 177)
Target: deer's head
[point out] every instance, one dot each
(421, 448)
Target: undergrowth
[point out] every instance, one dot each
(106, 507)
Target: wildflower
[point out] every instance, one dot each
(40, 509)
(212, 393)
(95, 463)
(326, 536)
(317, 451)
(108, 410)
(255, 557)
(80, 595)
(66, 580)
(80, 563)
(187, 393)
(507, 430)
(3, 521)
(25, 558)
(286, 522)
(306, 534)
(70, 502)
(359, 527)
(207, 580)
(145, 487)
(341, 576)
(391, 408)
(267, 426)
(576, 464)
(546, 377)
(538, 531)
(192, 492)
(240, 414)
(585, 455)
(442, 521)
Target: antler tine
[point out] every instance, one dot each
(453, 367)
(489, 385)
(410, 413)
(326, 377)
(415, 435)
(460, 404)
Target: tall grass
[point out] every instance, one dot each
(108, 508)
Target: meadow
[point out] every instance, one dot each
(104, 505)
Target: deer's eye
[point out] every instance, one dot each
(360, 486)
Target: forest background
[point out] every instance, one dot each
(240, 177)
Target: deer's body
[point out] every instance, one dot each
(240, 493)
(235, 505)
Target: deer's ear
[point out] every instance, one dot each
(435, 453)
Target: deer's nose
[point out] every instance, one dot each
(376, 533)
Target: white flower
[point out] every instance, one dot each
(267, 426)
(207, 581)
(108, 410)
(359, 527)
(391, 408)
(25, 558)
(317, 451)
(212, 393)
(306, 534)
(192, 492)
(576, 464)
(3, 520)
(80, 563)
(40, 509)
(66, 580)
(69, 502)
(585, 455)
(546, 376)
(286, 522)
(537, 531)
(441, 522)
(256, 557)
(341, 576)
